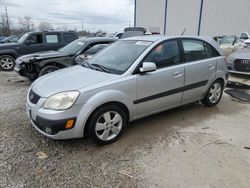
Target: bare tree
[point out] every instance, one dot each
(26, 23)
(45, 26)
(5, 23)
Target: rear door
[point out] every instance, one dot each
(200, 68)
(160, 89)
(68, 38)
(53, 41)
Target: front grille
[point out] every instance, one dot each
(242, 65)
(33, 97)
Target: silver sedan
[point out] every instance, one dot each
(131, 79)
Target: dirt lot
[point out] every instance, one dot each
(192, 146)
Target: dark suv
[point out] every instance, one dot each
(32, 42)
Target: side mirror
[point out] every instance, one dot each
(148, 67)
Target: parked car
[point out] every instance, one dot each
(131, 79)
(38, 64)
(229, 44)
(2, 37)
(133, 32)
(32, 42)
(115, 35)
(239, 61)
(244, 36)
(10, 39)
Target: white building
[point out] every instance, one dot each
(204, 17)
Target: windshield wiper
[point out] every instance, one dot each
(101, 67)
(86, 64)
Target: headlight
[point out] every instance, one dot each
(61, 101)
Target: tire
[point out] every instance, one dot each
(112, 122)
(7, 63)
(48, 69)
(214, 94)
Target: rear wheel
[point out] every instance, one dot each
(107, 124)
(7, 62)
(213, 94)
(48, 69)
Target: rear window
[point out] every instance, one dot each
(68, 37)
(198, 50)
(52, 38)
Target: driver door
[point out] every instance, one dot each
(34, 43)
(161, 89)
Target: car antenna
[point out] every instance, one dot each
(183, 31)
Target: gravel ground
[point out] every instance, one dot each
(191, 146)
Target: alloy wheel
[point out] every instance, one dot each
(108, 126)
(215, 93)
(6, 63)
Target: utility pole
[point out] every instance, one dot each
(82, 24)
(7, 21)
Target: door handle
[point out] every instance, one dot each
(177, 74)
(211, 66)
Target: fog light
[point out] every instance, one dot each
(70, 124)
(48, 130)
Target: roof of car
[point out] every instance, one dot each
(97, 39)
(155, 38)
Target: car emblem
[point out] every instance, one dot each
(246, 62)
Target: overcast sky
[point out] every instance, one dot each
(108, 15)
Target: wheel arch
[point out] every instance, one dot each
(45, 64)
(116, 103)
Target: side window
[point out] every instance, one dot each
(243, 36)
(194, 50)
(165, 54)
(93, 50)
(68, 37)
(36, 39)
(52, 38)
(210, 51)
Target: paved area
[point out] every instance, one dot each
(192, 146)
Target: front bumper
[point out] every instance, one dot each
(53, 127)
(20, 69)
(51, 123)
(238, 72)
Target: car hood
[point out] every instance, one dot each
(241, 54)
(6, 46)
(68, 79)
(42, 55)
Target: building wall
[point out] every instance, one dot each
(219, 17)
(225, 17)
(150, 14)
(182, 14)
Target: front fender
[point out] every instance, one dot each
(112, 96)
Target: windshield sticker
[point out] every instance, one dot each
(143, 43)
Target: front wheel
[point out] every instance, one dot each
(213, 95)
(107, 124)
(48, 69)
(7, 62)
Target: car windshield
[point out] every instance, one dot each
(119, 56)
(227, 40)
(23, 38)
(73, 47)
